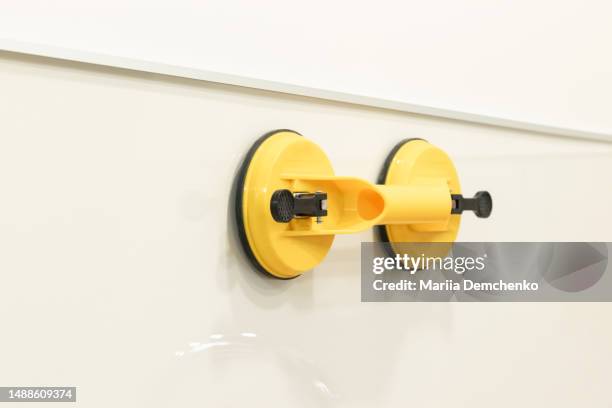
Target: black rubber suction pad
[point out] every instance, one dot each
(239, 186)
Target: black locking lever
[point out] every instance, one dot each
(285, 205)
(481, 204)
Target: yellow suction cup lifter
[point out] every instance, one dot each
(290, 205)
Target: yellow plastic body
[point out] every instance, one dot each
(414, 203)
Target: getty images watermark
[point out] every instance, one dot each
(501, 271)
(458, 265)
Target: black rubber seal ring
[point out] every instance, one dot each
(381, 230)
(239, 186)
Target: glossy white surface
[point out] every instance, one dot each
(122, 274)
(544, 62)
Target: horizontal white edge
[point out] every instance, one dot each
(255, 83)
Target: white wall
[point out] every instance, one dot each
(546, 61)
(118, 255)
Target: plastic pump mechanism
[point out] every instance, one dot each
(290, 205)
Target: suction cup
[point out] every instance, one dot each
(269, 166)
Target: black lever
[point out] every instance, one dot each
(481, 204)
(285, 205)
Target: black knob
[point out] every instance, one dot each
(285, 205)
(481, 204)
(484, 204)
(281, 206)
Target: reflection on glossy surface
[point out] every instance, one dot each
(225, 370)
